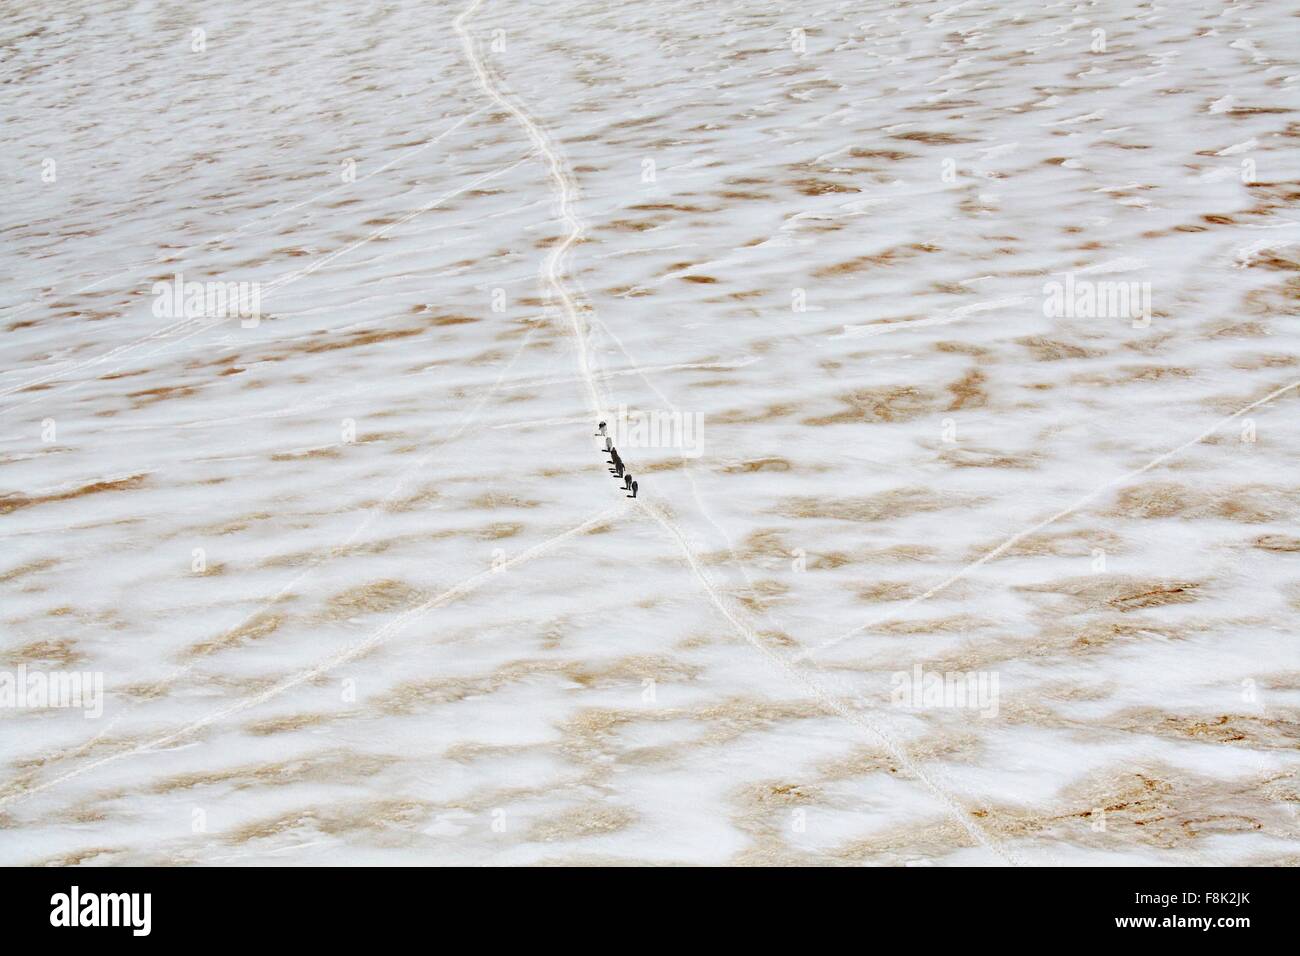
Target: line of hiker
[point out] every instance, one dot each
(617, 469)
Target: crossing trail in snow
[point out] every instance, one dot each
(340, 570)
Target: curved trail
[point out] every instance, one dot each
(553, 272)
(553, 266)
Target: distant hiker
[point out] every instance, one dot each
(600, 429)
(617, 469)
(633, 494)
(609, 446)
(627, 482)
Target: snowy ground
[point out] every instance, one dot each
(356, 579)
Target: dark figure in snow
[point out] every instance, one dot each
(617, 470)
(613, 456)
(633, 494)
(600, 429)
(609, 446)
(627, 481)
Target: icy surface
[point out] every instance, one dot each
(357, 580)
